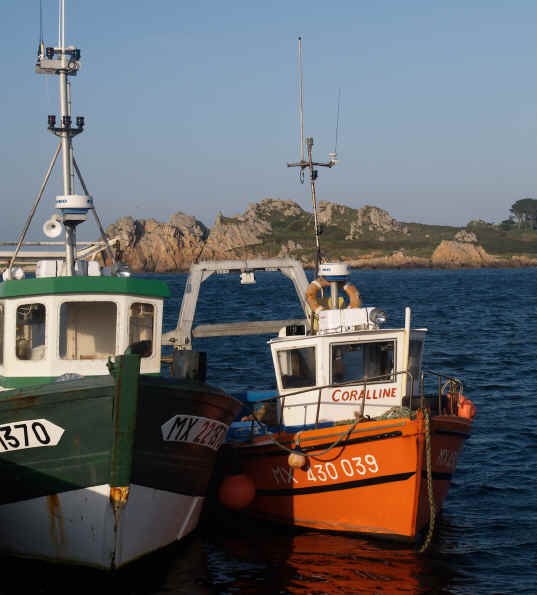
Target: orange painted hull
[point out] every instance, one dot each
(371, 481)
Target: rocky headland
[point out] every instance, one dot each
(367, 237)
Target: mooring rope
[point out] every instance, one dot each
(430, 492)
(276, 442)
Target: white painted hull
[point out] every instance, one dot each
(79, 527)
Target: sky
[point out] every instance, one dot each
(194, 106)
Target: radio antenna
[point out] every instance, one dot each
(41, 45)
(337, 121)
(308, 163)
(61, 25)
(301, 104)
(40, 20)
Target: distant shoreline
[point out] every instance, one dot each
(310, 267)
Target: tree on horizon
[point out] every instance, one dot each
(525, 212)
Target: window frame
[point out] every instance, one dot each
(45, 345)
(71, 299)
(390, 378)
(295, 348)
(153, 325)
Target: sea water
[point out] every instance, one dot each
(482, 328)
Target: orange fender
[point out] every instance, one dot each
(466, 408)
(236, 491)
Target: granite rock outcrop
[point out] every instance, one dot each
(367, 237)
(457, 254)
(152, 246)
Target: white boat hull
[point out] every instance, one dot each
(79, 527)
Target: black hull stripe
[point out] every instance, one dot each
(348, 485)
(310, 449)
(463, 435)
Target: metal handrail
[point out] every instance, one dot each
(445, 384)
(359, 382)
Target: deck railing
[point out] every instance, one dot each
(437, 402)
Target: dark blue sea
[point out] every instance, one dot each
(482, 329)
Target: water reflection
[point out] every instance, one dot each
(266, 561)
(250, 558)
(180, 569)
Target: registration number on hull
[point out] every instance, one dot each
(339, 470)
(194, 430)
(30, 433)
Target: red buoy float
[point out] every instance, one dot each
(236, 491)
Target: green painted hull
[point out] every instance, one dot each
(112, 432)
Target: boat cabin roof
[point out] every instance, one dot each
(70, 285)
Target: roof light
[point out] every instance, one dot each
(14, 273)
(121, 270)
(377, 316)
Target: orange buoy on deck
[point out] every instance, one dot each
(236, 491)
(466, 408)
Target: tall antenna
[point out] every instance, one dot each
(41, 46)
(337, 121)
(61, 25)
(40, 20)
(309, 164)
(301, 105)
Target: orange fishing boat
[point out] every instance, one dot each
(350, 441)
(356, 436)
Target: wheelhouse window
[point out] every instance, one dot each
(141, 323)
(30, 334)
(372, 361)
(297, 367)
(87, 330)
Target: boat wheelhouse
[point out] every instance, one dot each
(52, 326)
(339, 366)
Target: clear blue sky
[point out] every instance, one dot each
(193, 106)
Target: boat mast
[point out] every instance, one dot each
(66, 140)
(73, 208)
(65, 62)
(309, 164)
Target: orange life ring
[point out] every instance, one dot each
(319, 283)
(353, 294)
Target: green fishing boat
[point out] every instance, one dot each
(106, 446)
